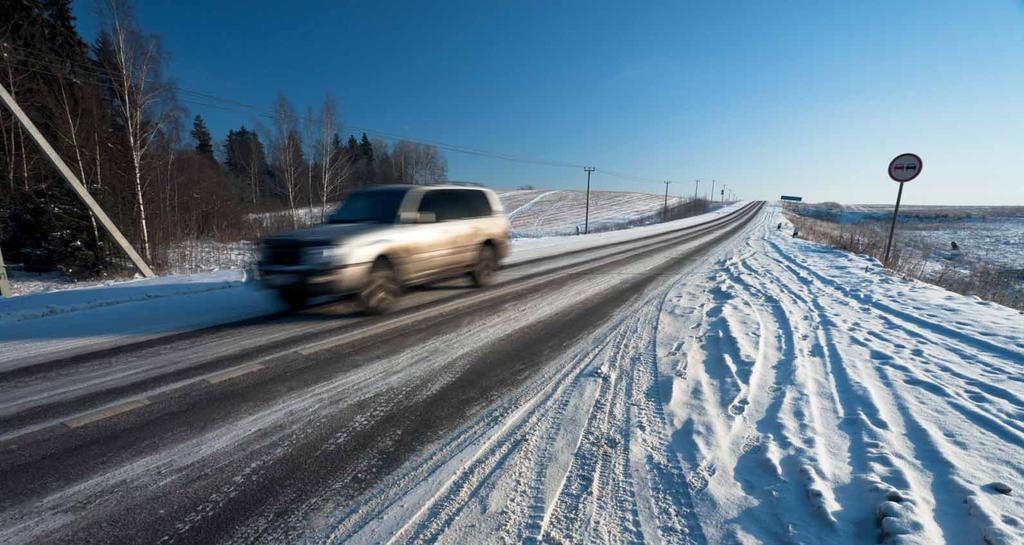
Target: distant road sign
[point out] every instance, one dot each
(905, 167)
(792, 198)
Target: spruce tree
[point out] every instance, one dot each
(366, 149)
(204, 142)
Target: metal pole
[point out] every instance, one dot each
(892, 228)
(5, 288)
(76, 185)
(665, 212)
(712, 194)
(696, 185)
(586, 218)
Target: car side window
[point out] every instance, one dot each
(455, 204)
(478, 204)
(444, 203)
(431, 202)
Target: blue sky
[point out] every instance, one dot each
(801, 97)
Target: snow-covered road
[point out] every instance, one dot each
(776, 391)
(668, 384)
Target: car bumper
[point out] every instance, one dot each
(338, 280)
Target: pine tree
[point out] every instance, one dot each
(366, 149)
(204, 142)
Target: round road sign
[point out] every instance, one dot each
(905, 167)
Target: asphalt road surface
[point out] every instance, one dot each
(260, 431)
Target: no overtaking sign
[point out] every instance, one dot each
(905, 167)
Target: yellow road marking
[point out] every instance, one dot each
(107, 412)
(228, 374)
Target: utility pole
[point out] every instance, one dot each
(665, 213)
(696, 186)
(5, 288)
(76, 185)
(711, 196)
(586, 217)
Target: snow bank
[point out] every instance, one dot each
(839, 404)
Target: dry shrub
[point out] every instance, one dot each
(977, 278)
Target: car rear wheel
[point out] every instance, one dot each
(486, 267)
(382, 289)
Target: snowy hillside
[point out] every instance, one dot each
(544, 212)
(538, 212)
(777, 392)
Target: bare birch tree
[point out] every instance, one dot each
(286, 149)
(335, 164)
(140, 95)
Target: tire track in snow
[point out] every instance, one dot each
(596, 495)
(431, 520)
(529, 204)
(906, 321)
(890, 476)
(1009, 431)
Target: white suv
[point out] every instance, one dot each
(383, 238)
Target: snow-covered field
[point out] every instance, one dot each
(988, 234)
(536, 212)
(777, 392)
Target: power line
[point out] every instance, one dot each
(94, 74)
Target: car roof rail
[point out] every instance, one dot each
(463, 184)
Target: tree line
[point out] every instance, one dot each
(118, 121)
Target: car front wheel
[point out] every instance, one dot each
(296, 299)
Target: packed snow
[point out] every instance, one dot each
(777, 392)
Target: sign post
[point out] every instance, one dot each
(902, 169)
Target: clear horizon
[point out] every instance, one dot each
(804, 99)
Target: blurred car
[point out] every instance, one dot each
(385, 238)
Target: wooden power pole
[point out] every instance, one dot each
(586, 217)
(76, 185)
(5, 288)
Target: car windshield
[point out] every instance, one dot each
(377, 206)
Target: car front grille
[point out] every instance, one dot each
(282, 255)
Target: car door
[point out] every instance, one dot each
(434, 247)
(474, 227)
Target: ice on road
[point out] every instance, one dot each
(778, 391)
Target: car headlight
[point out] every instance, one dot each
(323, 255)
